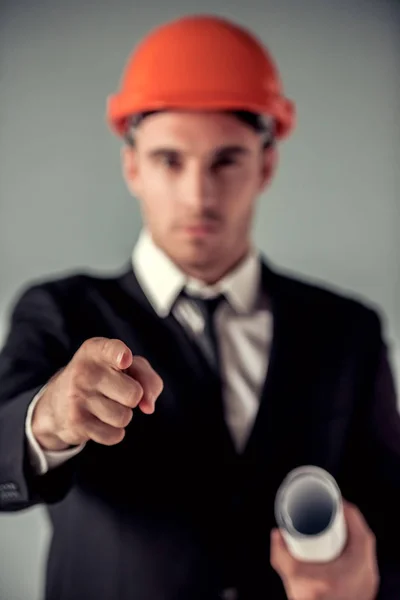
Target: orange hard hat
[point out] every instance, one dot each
(200, 62)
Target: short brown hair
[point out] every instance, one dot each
(253, 120)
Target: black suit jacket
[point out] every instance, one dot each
(172, 512)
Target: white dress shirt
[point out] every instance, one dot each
(243, 325)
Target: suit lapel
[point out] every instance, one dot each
(271, 448)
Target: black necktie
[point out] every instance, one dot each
(208, 339)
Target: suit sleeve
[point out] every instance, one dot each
(36, 347)
(372, 471)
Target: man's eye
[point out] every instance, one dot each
(224, 162)
(171, 162)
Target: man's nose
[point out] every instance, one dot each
(198, 190)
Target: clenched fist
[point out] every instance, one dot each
(93, 397)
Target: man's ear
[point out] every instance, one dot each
(268, 166)
(130, 170)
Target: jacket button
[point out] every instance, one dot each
(9, 491)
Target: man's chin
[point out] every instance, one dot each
(198, 255)
(198, 244)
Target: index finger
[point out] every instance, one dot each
(113, 352)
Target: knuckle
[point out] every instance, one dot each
(86, 345)
(85, 375)
(74, 417)
(110, 436)
(135, 393)
(123, 418)
(83, 379)
(102, 433)
(77, 367)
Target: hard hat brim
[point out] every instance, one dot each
(120, 107)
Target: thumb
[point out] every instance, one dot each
(276, 536)
(277, 546)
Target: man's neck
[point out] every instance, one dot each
(163, 279)
(214, 273)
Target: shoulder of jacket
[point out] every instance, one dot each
(329, 300)
(68, 285)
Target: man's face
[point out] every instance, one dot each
(197, 176)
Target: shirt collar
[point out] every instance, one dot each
(163, 281)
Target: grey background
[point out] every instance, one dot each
(332, 214)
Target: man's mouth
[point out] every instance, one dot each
(201, 229)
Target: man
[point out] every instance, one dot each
(156, 412)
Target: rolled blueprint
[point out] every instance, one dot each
(309, 513)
